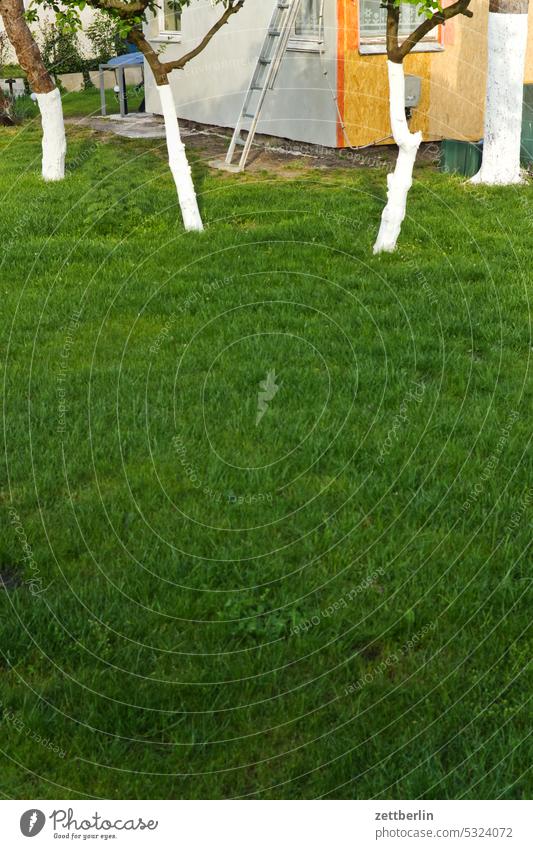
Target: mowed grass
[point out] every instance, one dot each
(85, 103)
(330, 602)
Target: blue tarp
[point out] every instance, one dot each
(125, 61)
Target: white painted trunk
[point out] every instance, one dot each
(401, 180)
(507, 44)
(177, 159)
(54, 139)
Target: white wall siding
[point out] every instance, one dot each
(211, 88)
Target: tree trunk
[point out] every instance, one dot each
(54, 139)
(48, 97)
(507, 44)
(177, 160)
(401, 180)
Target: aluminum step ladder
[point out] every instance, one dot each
(268, 64)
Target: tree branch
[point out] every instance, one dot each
(161, 69)
(179, 64)
(156, 65)
(458, 8)
(125, 8)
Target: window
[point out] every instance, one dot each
(373, 25)
(169, 18)
(308, 20)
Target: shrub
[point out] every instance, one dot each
(105, 40)
(60, 50)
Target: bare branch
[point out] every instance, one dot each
(179, 64)
(161, 69)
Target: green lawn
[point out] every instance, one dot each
(83, 103)
(332, 602)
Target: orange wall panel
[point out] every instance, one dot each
(453, 80)
(341, 49)
(363, 84)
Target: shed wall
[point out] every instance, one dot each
(212, 86)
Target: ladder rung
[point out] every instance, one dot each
(267, 66)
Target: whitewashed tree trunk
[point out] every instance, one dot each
(401, 180)
(177, 159)
(507, 44)
(54, 140)
(29, 57)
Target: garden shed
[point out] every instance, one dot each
(332, 85)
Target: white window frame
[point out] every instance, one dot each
(162, 33)
(378, 44)
(304, 42)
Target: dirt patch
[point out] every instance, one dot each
(276, 155)
(269, 153)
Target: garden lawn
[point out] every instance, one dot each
(82, 104)
(330, 600)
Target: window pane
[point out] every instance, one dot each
(171, 17)
(374, 19)
(307, 22)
